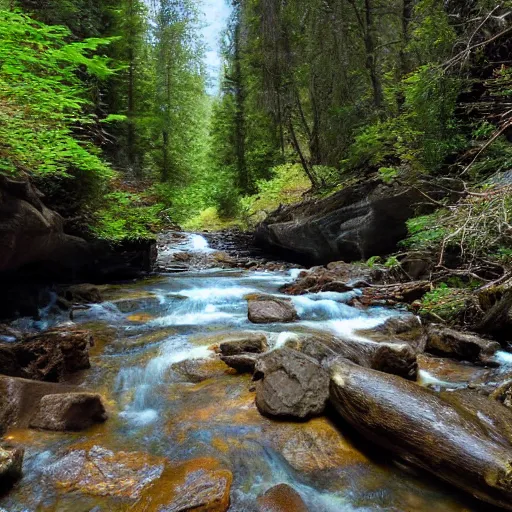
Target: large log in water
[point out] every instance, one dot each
(425, 430)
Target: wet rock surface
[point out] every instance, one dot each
(243, 343)
(466, 346)
(267, 310)
(19, 399)
(48, 356)
(11, 462)
(69, 412)
(290, 385)
(281, 498)
(98, 471)
(199, 370)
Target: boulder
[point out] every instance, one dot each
(11, 462)
(32, 234)
(386, 354)
(360, 221)
(48, 356)
(242, 343)
(290, 385)
(267, 310)
(242, 363)
(19, 399)
(281, 498)
(69, 412)
(425, 430)
(447, 342)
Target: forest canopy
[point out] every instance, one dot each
(106, 105)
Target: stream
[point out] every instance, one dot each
(147, 330)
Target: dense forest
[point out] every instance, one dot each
(107, 106)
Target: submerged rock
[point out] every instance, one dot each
(266, 310)
(199, 370)
(419, 426)
(198, 485)
(69, 411)
(459, 345)
(290, 385)
(281, 498)
(101, 472)
(48, 356)
(11, 462)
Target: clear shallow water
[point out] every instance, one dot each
(145, 329)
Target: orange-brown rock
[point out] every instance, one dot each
(281, 498)
(199, 485)
(101, 472)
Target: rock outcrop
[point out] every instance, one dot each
(360, 221)
(69, 412)
(31, 233)
(425, 430)
(267, 310)
(290, 385)
(49, 356)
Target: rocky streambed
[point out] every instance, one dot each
(214, 390)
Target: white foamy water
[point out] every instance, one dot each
(504, 358)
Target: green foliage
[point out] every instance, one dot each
(126, 217)
(388, 174)
(373, 261)
(42, 99)
(445, 303)
(287, 186)
(425, 232)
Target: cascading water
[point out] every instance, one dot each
(158, 325)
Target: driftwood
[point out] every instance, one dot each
(425, 430)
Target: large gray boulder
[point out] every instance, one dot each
(290, 385)
(69, 412)
(367, 219)
(268, 310)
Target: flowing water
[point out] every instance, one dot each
(149, 334)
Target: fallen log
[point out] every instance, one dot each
(424, 430)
